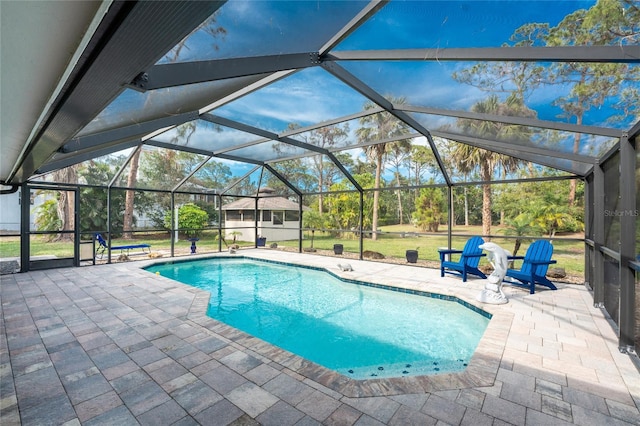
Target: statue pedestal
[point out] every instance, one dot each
(492, 293)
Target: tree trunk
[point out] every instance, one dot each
(320, 187)
(576, 150)
(399, 197)
(572, 182)
(65, 213)
(66, 202)
(466, 207)
(376, 198)
(416, 192)
(504, 177)
(516, 246)
(485, 171)
(486, 211)
(130, 196)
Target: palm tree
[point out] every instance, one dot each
(519, 227)
(313, 220)
(551, 217)
(468, 158)
(379, 127)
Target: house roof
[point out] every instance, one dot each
(264, 203)
(271, 203)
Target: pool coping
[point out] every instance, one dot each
(480, 372)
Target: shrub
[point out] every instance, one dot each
(47, 218)
(191, 220)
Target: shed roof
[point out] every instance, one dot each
(265, 203)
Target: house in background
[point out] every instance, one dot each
(10, 210)
(278, 217)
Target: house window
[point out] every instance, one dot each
(291, 215)
(234, 215)
(266, 215)
(248, 215)
(278, 218)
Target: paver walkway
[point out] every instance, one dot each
(115, 345)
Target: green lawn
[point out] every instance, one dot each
(568, 253)
(391, 243)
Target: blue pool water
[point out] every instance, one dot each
(358, 330)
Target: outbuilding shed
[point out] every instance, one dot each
(278, 218)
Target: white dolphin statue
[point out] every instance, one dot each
(498, 257)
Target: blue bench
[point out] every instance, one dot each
(103, 246)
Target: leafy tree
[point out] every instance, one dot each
(208, 27)
(210, 209)
(47, 217)
(551, 218)
(93, 199)
(467, 205)
(332, 172)
(399, 154)
(375, 127)
(421, 160)
(214, 175)
(66, 201)
(430, 209)
(325, 137)
(132, 179)
(519, 79)
(313, 220)
(164, 169)
(528, 198)
(296, 172)
(361, 167)
(245, 187)
(593, 85)
(343, 207)
(191, 220)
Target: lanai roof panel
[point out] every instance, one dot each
(206, 136)
(433, 84)
(304, 98)
(552, 141)
(268, 151)
(133, 107)
(242, 28)
(450, 24)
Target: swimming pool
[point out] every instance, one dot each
(353, 328)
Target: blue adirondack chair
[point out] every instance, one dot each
(467, 264)
(534, 267)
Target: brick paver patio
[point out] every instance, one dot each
(116, 345)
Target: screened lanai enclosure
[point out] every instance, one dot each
(379, 126)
